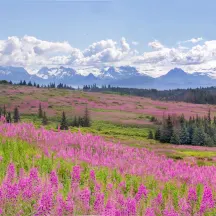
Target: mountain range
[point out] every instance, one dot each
(124, 76)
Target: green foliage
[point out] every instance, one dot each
(64, 124)
(40, 111)
(16, 115)
(150, 135)
(44, 120)
(199, 131)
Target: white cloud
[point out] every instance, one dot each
(156, 45)
(31, 52)
(193, 40)
(125, 46)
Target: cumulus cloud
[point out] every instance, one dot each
(125, 46)
(156, 45)
(30, 51)
(193, 40)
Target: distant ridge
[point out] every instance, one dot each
(124, 76)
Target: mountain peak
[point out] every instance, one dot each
(176, 72)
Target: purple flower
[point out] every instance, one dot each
(207, 200)
(192, 195)
(85, 197)
(92, 175)
(99, 203)
(142, 193)
(149, 212)
(54, 179)
(76, 174)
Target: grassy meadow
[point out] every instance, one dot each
(110, 168)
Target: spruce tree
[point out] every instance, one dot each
(150, 135)
(209, 116)
(184, 136)
(175, 139)
(214, 120)
(75, 124)
(40, 111)
(44, 120)
(4, 111)
(63, 125)
(86, 118)
(16, 115)
(199, 136)
(157, 134)
(8, 118)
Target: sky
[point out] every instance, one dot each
(152, 35)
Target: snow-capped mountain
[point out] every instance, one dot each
(14, 73)
(124, 76)
(116, 73)
(59, 73)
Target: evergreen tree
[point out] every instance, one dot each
(40, 111)
(199, 136)
(4, 111)
(44, 120)
(209, 116)
(175, 139)
(157, 134)
(150, 135)
(184, 136)
(63, 125)
(16, 115)
(1, 112)
(209, 141)
(80, 121)
(166, 130)
(214, 120)
(86, 118)
(75, 124)
(8, 118)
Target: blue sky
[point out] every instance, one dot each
(82, 23)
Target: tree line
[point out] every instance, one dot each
(8, 117)
(80, 121)
(200, 131)
(33, 84)
(198, 95)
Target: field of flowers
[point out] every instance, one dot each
(46, 172)
(106, 107)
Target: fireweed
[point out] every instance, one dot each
(62, 173)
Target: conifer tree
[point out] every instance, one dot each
(8, 118)
(16, 115)
(80, 121)
(175, 139)
(75, 124)
(40, 111)
(86, 118)
(184, 136)
(214, 120)
(0, 112)
(157, 134)
(4, 111)
(63, 125)
(209, 116)
(44, 119)
(150, 135)
(199, 136)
